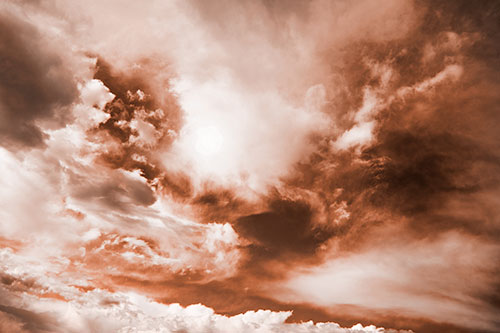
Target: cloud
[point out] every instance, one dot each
(287, 229)
(197, 253)
(244, 155)
(129, 312)
(244, 70)
(362, 131)
(422, 172)
(10, 323)
(407, 277)
(36, 85)
(20, 320)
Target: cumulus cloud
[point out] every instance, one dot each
(79, 309)
(197, 162)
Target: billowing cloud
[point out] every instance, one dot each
(187, 166)
(36, 85)
(57, 307)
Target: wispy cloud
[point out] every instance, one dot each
(249, 166)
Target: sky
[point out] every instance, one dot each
(249, 166)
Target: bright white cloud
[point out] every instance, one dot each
(410, 277)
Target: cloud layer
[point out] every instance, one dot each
(223, 166)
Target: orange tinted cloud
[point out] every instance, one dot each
(336, 159)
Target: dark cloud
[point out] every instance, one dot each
(285, 229)
(35, 84)
(136, 100)
(218, 204)
(430, 148)
(433, 160)
(438, 147)
(31, 321)
(118, 193)
(176, 184)
(431, 166)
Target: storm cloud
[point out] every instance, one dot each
(249, 166)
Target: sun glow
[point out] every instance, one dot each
(208, 140)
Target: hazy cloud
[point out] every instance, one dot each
(260, 164)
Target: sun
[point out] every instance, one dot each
(208, 140)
